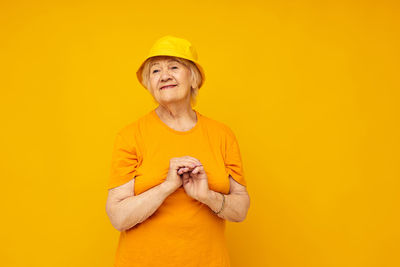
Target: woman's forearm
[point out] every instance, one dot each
(136, 209)
(235, 207)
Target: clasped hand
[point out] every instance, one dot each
(192, 175)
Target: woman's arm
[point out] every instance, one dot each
(125, 210)
(237, 202)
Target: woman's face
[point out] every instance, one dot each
(167, 71)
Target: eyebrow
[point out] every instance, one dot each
(154, 63)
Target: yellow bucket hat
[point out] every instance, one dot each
(172, 46)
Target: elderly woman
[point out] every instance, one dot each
(176, 175)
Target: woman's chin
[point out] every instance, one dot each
(167, 100)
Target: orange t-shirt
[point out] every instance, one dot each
(182, 231)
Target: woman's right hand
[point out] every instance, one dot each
(173, 177)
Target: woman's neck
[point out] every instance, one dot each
(177, 117)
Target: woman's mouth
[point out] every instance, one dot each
(168, 87)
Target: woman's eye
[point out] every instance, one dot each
(157, 70)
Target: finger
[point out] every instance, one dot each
(193, 159)
(186, 168)
(178, 163)
(186, 158)
(185, 163)
(185, 177)
(182, 170)
(197, 169)
(190, 164)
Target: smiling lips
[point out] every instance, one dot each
(168, 86)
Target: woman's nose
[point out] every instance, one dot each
(165, 75)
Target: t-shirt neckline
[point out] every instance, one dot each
(197, 125)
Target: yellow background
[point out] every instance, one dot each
(311, 89)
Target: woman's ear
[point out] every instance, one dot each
(192, 80)
(193, 85)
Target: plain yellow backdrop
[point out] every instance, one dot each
(310, 88)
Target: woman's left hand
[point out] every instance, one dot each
(195, 182)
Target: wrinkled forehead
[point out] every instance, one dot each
(159, 59)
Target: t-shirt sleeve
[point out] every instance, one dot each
(233, 159)
(124, 161)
